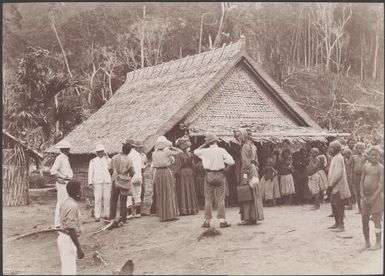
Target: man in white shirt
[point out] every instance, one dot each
(214, 161)
(99, 179)
(137, 180)
(61, 169)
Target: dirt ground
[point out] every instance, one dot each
(291, 240)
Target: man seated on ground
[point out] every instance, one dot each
(70, 224)
(372, 191)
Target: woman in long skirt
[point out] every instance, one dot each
(286, 181)
(185, 185)
(251, 211)
(164, 183)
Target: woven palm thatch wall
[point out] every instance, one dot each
(15, 177)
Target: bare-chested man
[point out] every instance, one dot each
(372, 191)
(358, 161)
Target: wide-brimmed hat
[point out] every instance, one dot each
(162, 142)
(183, 143)
(211, 137)
(134, 143)
(63, 144)
(99, 147)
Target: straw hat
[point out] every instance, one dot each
(138, 144)
(211, 137)
(63, 144)
(162, 143)
(130, 141)
(99, 147)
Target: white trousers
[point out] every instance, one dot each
(68, 252)
(136, 192)
(61, 197)
(102, 193)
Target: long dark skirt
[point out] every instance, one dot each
(186, 195)
(166, 205)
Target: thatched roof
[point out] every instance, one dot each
(217, 90)
(33, 153)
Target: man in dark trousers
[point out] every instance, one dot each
(122, 172)
(338, 185)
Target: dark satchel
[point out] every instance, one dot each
(244, 193)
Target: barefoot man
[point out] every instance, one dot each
(372, 191)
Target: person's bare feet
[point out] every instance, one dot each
(365, 247)
(377, 246)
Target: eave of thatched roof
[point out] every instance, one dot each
(34, 153)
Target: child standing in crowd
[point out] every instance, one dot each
(314, 177)
(323, 164)
(285, 177)
(269, 183)
(372, 191)
(148, 183)
(358, 161)
(347, 153)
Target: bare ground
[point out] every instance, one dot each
(291, 240)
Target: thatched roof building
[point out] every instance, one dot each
(216, 91)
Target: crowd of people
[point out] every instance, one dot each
(173, 181)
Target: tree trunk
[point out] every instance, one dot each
(52, 19)
(15, 180)
(142, 39)
(374, 73)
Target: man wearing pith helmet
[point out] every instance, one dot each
(62, 171)
(99, 179)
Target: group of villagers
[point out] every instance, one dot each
(165, 186)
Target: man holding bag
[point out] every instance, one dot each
(123, 171)
(214, 161)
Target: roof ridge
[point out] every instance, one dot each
(175, 64)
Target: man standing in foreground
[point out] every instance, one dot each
(123, 171)
(70, 224)
(99, 179)
(372, 191)
(214, 161)
(338, 185)
(61, 169)
(137, 181)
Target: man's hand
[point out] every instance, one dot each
(330, 189)
(80, 254)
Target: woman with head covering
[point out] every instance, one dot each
(185, 176)
(251, 211)
(164, 182)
